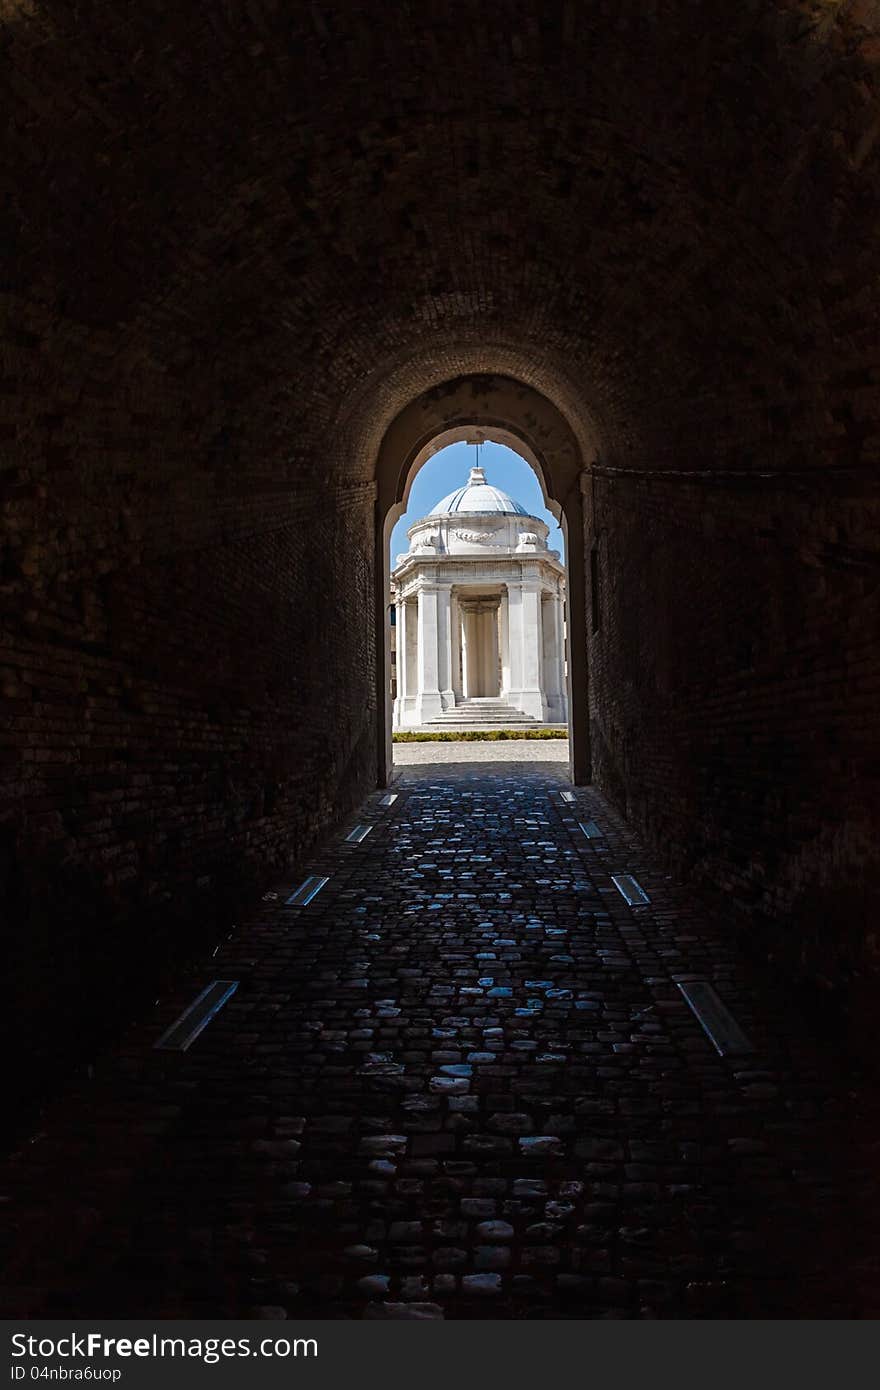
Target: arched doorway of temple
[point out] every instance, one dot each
(477, 618)
(486, 574)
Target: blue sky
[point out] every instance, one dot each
(449, 469)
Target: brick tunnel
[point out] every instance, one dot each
(257, 263)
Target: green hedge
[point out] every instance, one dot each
(478, 735)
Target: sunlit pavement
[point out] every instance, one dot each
(522, 750)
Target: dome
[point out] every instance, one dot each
(478, 496)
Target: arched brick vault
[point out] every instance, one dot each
(239, 241)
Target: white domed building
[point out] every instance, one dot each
(479, 606)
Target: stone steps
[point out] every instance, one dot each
(487, 711)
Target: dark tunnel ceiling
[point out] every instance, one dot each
(633, 206)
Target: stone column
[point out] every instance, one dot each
(559, 620)
(526, 674)
(493, 675)
(534, 648)
(455, 625)
(445, 669)
(554, 659)
(428, 702)
(504, 643)
(468, 652)
(549, 650)
(412, 635)
(400, 661)
(465, 650)
(514, 639)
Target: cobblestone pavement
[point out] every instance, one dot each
(461, 1082)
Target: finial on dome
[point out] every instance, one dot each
(477, 475)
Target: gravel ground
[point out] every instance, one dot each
(524, 750)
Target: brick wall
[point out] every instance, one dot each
(734, 684)
(173, 737)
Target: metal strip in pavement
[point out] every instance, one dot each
(566, 796)
(630, 889)
(389, 799)
(185, 1029)
(715, 1019)
(359, 833)
(591, 830)
(306, 891)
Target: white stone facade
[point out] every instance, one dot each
(480, 615)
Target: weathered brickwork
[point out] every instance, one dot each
(238, 241)
(169, 741)
(734, 683)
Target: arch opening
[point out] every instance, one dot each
(503, 411)
(477, 599)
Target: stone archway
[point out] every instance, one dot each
(506, 411)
